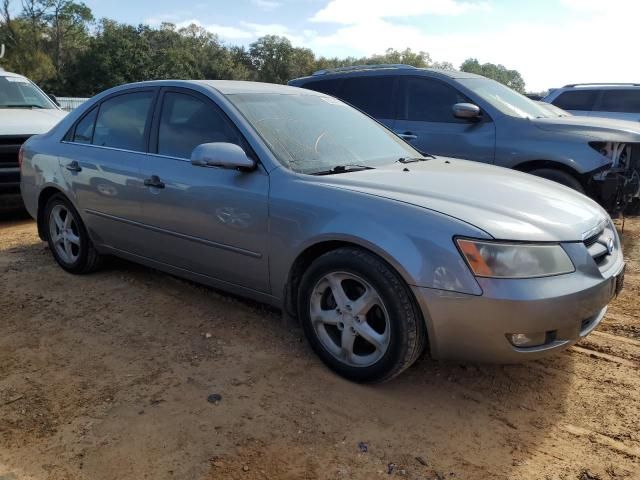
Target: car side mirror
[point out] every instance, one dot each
(53, 98)
(221, 155)
(466, 111)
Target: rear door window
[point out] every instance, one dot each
(429, 100)
(621, 100)
(577, 100)
(84, 130)
(373, 95)
(122, 121)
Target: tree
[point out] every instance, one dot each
(117, 54)
(406, 56)
(510, 78)
(69, 27)
(58, 44)
(22, 38)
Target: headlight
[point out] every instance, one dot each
(514, 260)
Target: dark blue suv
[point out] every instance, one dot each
(468, 116)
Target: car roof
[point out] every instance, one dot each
(230, 87)
(599, 86)
(4, 73)
(382, 70)
(225, 87)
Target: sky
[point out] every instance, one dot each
(550, 42)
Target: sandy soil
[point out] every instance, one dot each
(107, 377)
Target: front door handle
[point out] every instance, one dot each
(154, 181)
(74, 166)
(407, 136)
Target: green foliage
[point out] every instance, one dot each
(499, 73)
(59, 45)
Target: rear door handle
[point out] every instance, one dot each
(407, 136)
(154, 181)
(74, 166)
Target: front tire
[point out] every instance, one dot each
(359, 316)
(558, 176)
(67, 237)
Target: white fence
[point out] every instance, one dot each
(69, 103)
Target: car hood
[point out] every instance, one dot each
(27, 121)
(596, 128)
(506, 204)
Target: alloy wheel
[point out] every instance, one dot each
(65, 234)
(350, 319)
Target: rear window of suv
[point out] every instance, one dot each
(373, 95)
(577, 100)
(621, 100)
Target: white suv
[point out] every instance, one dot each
(610, 100)
(25, 110)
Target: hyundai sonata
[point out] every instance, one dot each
(294, 198)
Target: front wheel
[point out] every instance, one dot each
(558, 176)
(359, 316)
(67, 237)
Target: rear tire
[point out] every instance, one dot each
(558, 176)
(359, 316)
(68, 238)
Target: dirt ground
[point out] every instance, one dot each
(108, 376)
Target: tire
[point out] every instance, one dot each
(67, 237)
(373, 314)
(558, 176)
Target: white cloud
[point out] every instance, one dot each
(246, 31)
(223, 31)
(589, 44)
(590, 6)
(266, 4)
(357, 11)
(163, 18)
(587, 41)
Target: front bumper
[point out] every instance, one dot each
(475, 327)
(614, 189)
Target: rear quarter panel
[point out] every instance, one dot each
(40, 169)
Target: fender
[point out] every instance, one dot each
(397, 232)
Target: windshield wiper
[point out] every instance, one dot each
(415, 159)
(343, 169)
(21, 105)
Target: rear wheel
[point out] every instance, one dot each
(558, 176)
(67, 237)
(359, 316)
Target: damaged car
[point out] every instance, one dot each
(293, 198)
(468, 116)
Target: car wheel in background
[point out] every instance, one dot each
(67, 237)
(359, 316)
(558, 176)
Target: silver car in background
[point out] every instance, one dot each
(619, 101)
(293, 198)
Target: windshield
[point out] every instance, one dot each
(18, 92)
(506, 100)
(314, 133)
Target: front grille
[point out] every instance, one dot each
(588, 242)
(9, 147)
(602, 246)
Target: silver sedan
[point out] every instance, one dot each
(295, 199)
